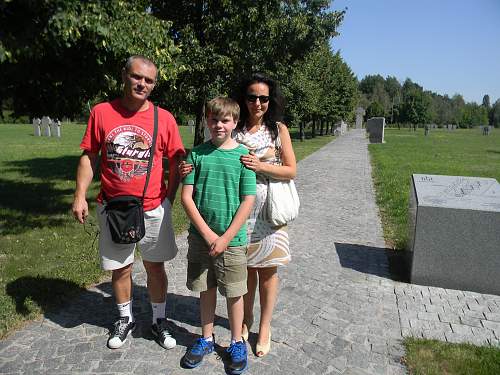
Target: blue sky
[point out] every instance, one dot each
(446, 46)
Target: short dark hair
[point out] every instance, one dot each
(276, 106)
(222, 106)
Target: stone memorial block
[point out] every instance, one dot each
(191, 125)
(54, 129)
(343, 127)
(455, 232)
(375, 127)
(46, 121)
(36, 127)
(360, 112)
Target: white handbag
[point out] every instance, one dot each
(282, 203)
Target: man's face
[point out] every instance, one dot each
(139, 81)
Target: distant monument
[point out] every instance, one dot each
(375, 127)
(360, 112)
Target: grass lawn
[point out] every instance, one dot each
(431, 357)
(45, 255)
(462, 152)
(457, 153)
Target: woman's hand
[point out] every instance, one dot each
(184, 169)
(251, 162)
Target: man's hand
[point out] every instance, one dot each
(80, 209)
(218, 246)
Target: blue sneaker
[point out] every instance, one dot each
(195, 354)
(239, 360)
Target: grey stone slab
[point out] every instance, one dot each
(376, 127)
(454, 238)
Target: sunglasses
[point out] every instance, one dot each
(262, 98)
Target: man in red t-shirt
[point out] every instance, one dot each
(119, 134)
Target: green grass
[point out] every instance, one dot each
(457, 153)
(431, 357)
(45, 255)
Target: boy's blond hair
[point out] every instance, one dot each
(223, 106)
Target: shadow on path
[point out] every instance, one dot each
(376, 261)
(96, 307)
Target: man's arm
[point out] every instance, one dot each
(220, 244)
(173, 177)
(84, 175)
(194, 215)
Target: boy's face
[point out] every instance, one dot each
(220, 127)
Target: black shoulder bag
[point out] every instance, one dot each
(125, 213)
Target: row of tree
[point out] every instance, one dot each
(410, 103)
(62, 56)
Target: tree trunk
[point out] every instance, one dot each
(199, 137)
(321, 125)
(313, 128)
(302, 135)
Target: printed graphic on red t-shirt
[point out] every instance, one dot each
(128, 148)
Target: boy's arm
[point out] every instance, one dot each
(220, 244)
(173, 177)
(194, 215)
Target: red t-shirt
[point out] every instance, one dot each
(124, 138)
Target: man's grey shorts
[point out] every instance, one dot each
(158, 245)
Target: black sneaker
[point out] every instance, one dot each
(195, 354)
(122, 329)
(162, 334)
(239, 360)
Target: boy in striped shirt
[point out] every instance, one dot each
(218, 196)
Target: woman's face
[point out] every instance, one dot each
(257, 100)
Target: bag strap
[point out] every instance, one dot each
(152, 152)
(277, 144)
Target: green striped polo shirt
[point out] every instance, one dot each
(220, 180)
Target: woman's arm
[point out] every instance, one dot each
(286, 171)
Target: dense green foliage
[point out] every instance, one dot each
(409, 103)
(62, 56)
(432, 357)
(463, 152)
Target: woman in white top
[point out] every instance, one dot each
(261, 106)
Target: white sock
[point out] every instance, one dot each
(211, 338)
(125, 309)
(158, 310)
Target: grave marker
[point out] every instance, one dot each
(454, 232)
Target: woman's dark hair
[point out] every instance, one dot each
(275, 109)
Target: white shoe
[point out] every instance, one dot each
(163, 335)
(122, 329)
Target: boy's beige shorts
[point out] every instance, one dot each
(227, 271)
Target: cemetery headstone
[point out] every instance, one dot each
(376, 127)
(46, 122)
(36, 127)
(360, 112)
(454, 226)
(191, 125)
(343, 127)
(55, 128)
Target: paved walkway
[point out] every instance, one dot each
(339, 311)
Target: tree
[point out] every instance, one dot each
(486, 102)
(225, 40)
(61, 56)
(495, 114)
(415, 105)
